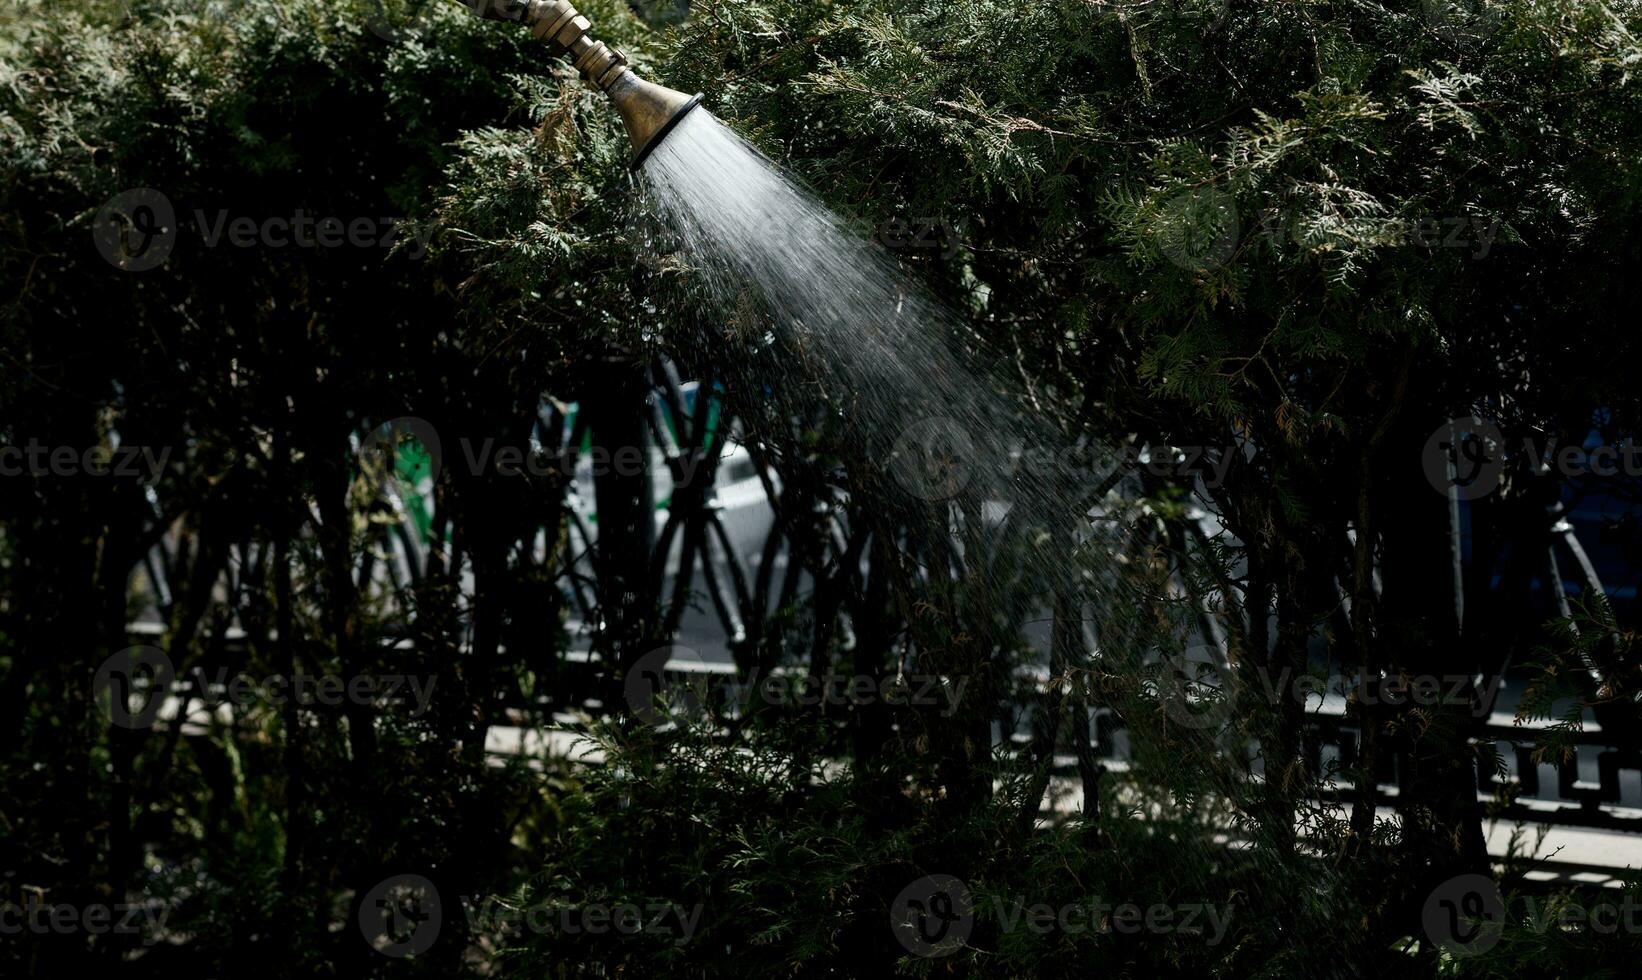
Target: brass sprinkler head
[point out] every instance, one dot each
(649, 111)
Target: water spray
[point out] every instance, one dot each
(649, 111)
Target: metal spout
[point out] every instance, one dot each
(648, 110)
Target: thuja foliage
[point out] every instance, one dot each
(1308, 233)
(1302, 234)
(255, 368)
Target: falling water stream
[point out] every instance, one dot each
(856, 320)
(882, 353)
(875, 344)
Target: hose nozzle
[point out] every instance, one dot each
(648, 110)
